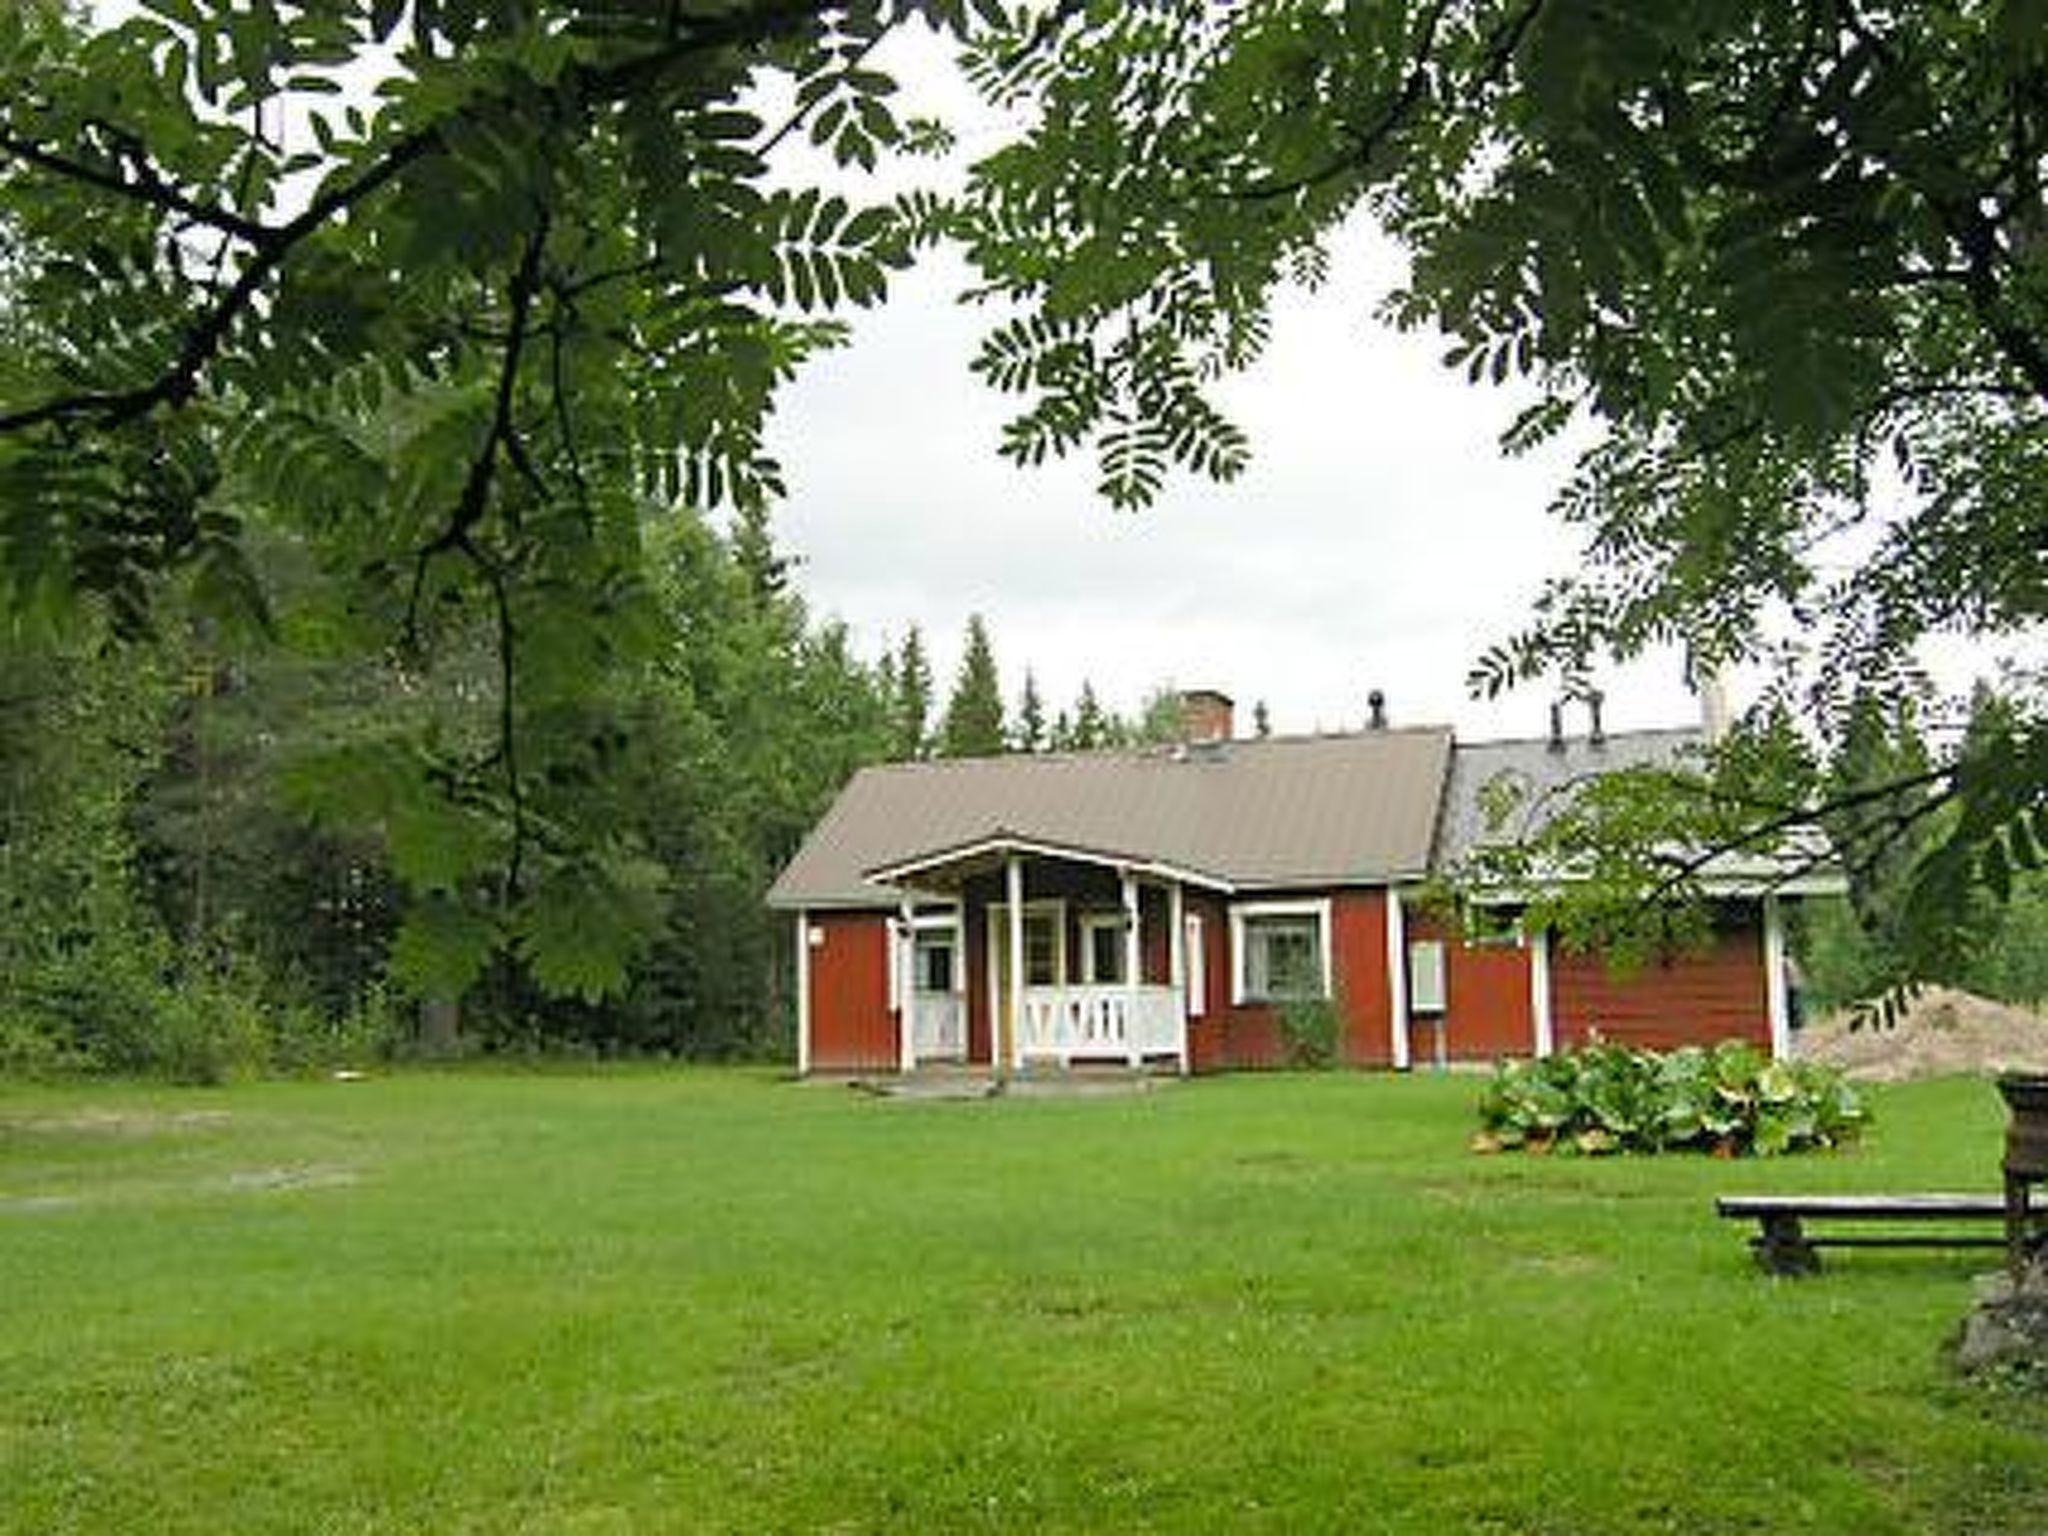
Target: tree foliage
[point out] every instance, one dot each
(973, 726)
(450, 296)
(910, 699)
(1783, 265)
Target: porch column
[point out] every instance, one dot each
(1397, 979)
(1133, 973)
(1776, 1004)
(1012, 1052)
(1545, 1031)
(906, 983)
(1177, 969)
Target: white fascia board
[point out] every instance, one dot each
(1152, 868)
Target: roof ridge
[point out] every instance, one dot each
(1153, 751)
(1584, 741)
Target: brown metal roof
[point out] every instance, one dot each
(1285, 811)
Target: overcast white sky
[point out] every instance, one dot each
(1379, 539)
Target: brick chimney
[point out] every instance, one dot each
(1206, 715)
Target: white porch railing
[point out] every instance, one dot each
(1131, 1022)
(938, 1025)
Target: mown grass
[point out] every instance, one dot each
(711, 1300)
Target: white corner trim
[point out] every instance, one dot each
(1317, 907)
(1397, 979)
(803, 993)
(1545, 1032)
(1777, 1004)
(1177, 969)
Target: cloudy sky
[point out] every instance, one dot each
(1380, 540)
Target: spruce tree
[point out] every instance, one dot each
(1093, 727)
(911, 712)
(1029, 735)
(974, 715)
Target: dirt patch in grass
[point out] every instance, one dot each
(116, 1122)
(35, 1205)
(315, 1177)
(1943, 1032)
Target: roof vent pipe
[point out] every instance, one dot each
(1557, 725)
(1714, 711)
(1598, 734)
(1376, 701)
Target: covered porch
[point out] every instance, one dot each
(1057, 957)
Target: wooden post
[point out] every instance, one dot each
(1133, 967)
(1542, 1026)
(1013, 1049)
(1177, 969)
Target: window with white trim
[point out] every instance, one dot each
(1041, 949)
(1102, 948)
(1282, 951)
(935, 962)
(1426, 976)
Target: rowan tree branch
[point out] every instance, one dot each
(575, 93)
(146, 186)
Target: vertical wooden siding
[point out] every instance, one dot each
(1358, 962)
(1689, 999)
(1248, 1035)
(852, 1029)
(1487, 1010)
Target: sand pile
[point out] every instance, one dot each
(1942, 1031)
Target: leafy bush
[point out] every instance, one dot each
(308, 1040)
(1308, 1032)
(208, 1031)
(1729, 1100)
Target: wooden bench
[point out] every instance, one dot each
(1784, 1246)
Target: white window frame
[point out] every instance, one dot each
(1090, 924)
(999, 925)
(934, 938)
(1429, 984)
(1241, 912)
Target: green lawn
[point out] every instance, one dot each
(709, 1300)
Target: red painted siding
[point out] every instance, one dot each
(1248, 1035)
(974, 936)
(1487, 1007)
(852, 1029)
(1359, 974)
(1209, 1043)
(1693, 998)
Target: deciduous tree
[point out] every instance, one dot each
(1783, 266)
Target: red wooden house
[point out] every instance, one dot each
(1162, 906)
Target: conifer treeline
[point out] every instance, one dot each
(175, 903)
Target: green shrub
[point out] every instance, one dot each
(209, 1031)
(1308, 1032)
(31, 1049)
(304, 1039)
(1730, 1100)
